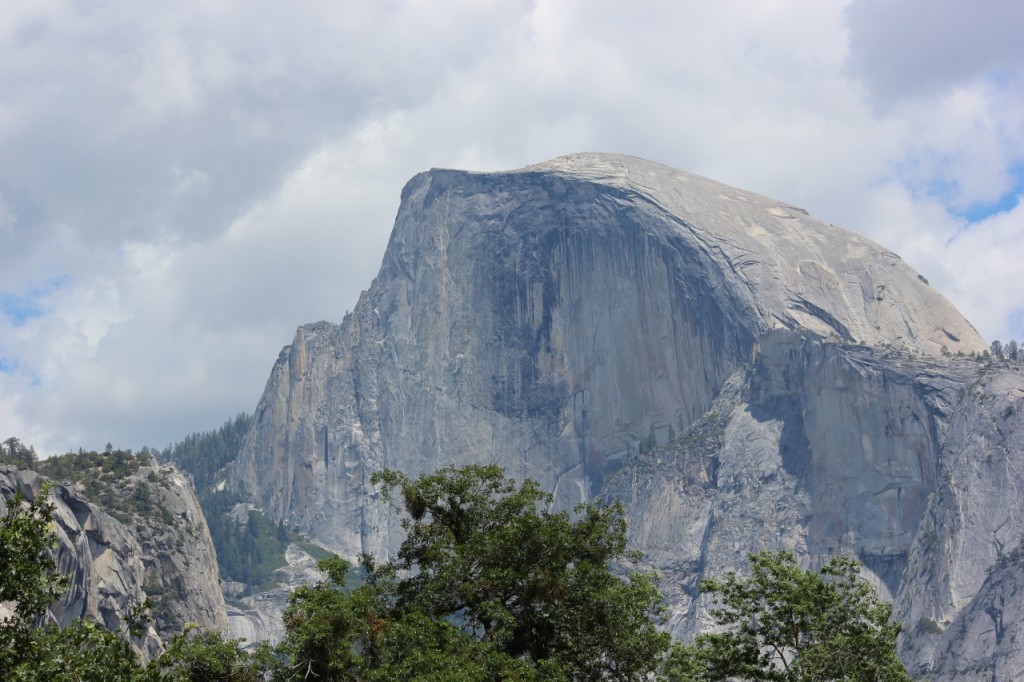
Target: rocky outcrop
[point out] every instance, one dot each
(964, 563)
(182, 578)
(981, 641)
(259, 618)
(799, 383)
(114, 565)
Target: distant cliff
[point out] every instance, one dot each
(159, 547)
(739, 374)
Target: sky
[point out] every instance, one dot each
(183, 184)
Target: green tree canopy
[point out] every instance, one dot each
(488, 585)
(195, 656)
(13, 451)
(787, 624)
(28, 574)
(29, 579)
(487, 579)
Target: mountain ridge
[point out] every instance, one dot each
(562, 319)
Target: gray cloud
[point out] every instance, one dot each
(922, 47)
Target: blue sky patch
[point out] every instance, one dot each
(7, 366)
(1017, 324)
(981, 210)
(20, 308)
(978, 212)
(928, 173)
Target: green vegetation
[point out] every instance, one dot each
(252, 550)
(109, 466)
(930, 626)
(334, 634)
(85, 651)
(488, 585)
(649, 443)
(29, 579)
(250, 547)
(786, 624)
(28, 574)
(1010, 351)
(82, 651)
(108, 479)
(204, 455)
(133, 489)
(105, 478)
(12, 451)
(194, 656)
(538, 586)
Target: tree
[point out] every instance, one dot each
(207, 657)
(487, 579)
(1012, 350)
(787, 624)
(536, 584)
(83, 651)
(12, 451)
(488, 584)
(29, 579)
(340, 632)
(997, 349)
(28, 573)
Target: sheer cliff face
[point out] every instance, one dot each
(528, 313)
(552, 318)
(114, 567)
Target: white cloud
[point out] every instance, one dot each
(210, 175)
(986, 262)
(965, 147)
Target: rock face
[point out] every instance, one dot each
(796, 378)
(964, 569)
(115, 565)
(260, 619)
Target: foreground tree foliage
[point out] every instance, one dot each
(28, 574)
(195, 656)
(787, 624)
(487, 585)
(29, 580)
(340, 634)
(84, 651)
